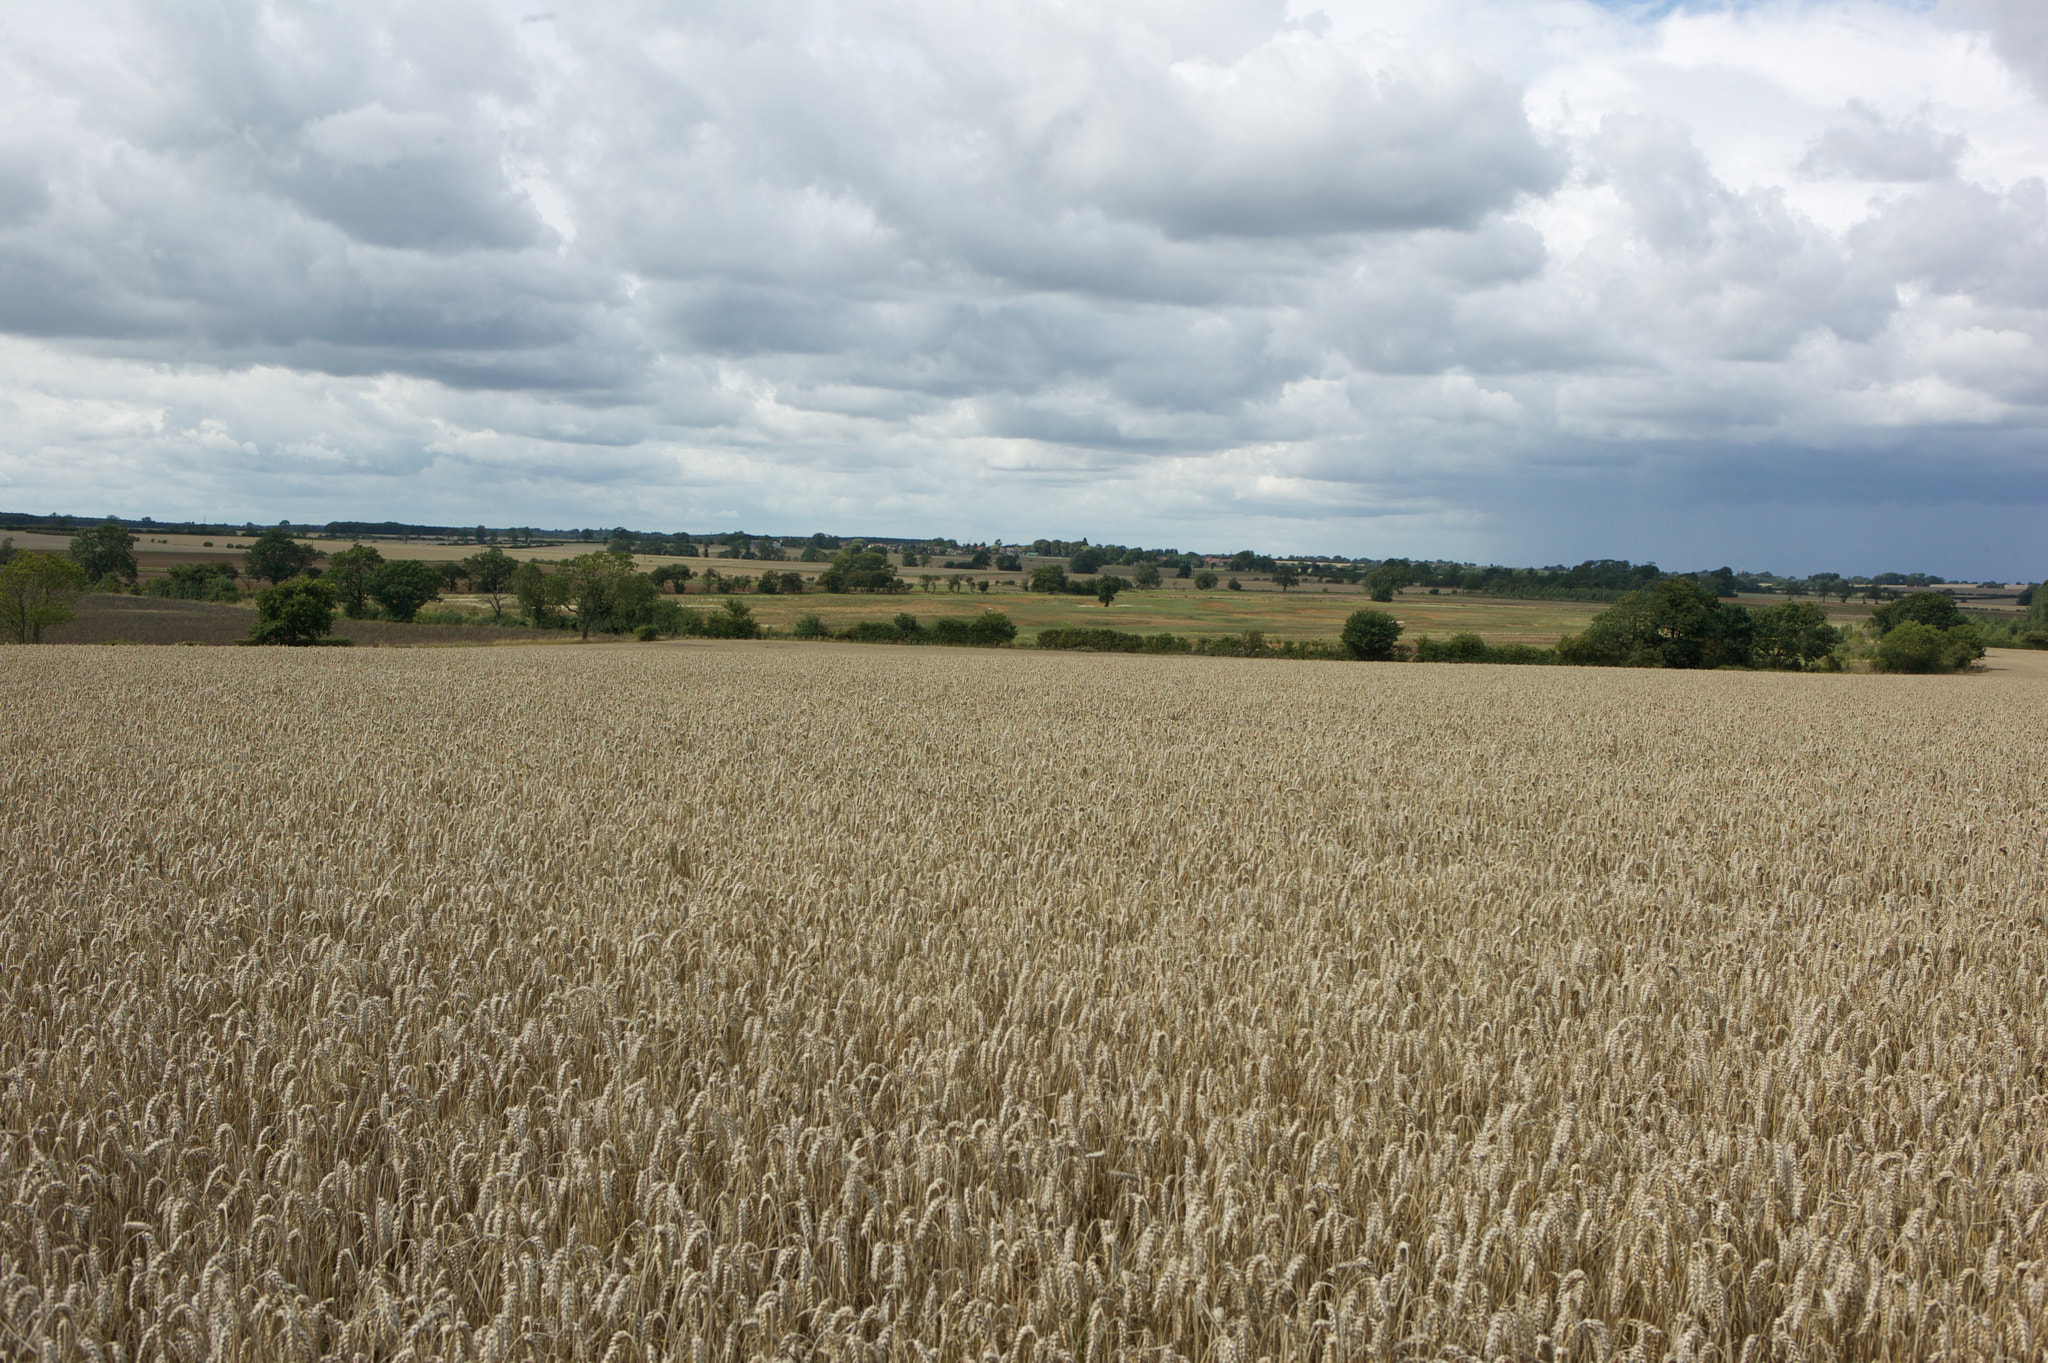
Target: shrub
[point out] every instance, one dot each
(873, 632)
(735, 620)
(647, 634)
(1371, 635)
(1914, 646)
(810, 626)
(1094, 640)
(991, 629)
(1205, 581)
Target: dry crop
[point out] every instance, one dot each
(706, 1002)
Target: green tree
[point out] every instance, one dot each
(1913, 646)
(1371, 635)
(595, 586)
(671, 575)
(276, 556)
(36, 592)
(1286, 576)
(1050, 577)
(1205, 581)
(348, 573)
(1107, 586)
(401, 586)
(1147, 578)
(1697, 629)
(1792, 635)
(196, 582)
(1937, 610)
(296, 613)
(1679, 624)
(106, 550)
(540, 593)
(490, 573)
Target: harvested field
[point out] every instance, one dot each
(697, 1002)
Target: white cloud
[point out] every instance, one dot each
(1442, 276)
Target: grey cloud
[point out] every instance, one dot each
(24, 192)
(1865, 145)
(2019, 31)
(766, 257)
(1338, 150)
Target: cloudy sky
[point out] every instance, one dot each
(1520, 281)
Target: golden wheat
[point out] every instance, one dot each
(924, 1004)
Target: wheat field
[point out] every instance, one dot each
(709, 1002)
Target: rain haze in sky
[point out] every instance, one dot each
(1760, 284)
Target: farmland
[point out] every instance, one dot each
(741, 1001)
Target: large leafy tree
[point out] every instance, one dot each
(295, 613)
(596, 587)
(1679, 624)
(275, 556)
(540, 592)
(865, 570)
(1936, 610)
(1792, 635)
(36, 592)
(105, 550)
(490, 573)
(348, 572)
(402, 585)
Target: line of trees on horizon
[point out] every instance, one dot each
(1593, 579)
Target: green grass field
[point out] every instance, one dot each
(1304, 613)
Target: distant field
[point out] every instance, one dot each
(764, 1001)
(148, 620)
(1309, 611)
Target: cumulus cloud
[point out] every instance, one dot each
(1457, 277)
(1865, 145)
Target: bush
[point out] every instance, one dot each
(1371, 635)
(1914, 646)
(873, 632)
(1094, 640)
(734, 621)
(1205, 581)
(647, 634)
(1459, 648)
(810, 626)
(991, 629)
